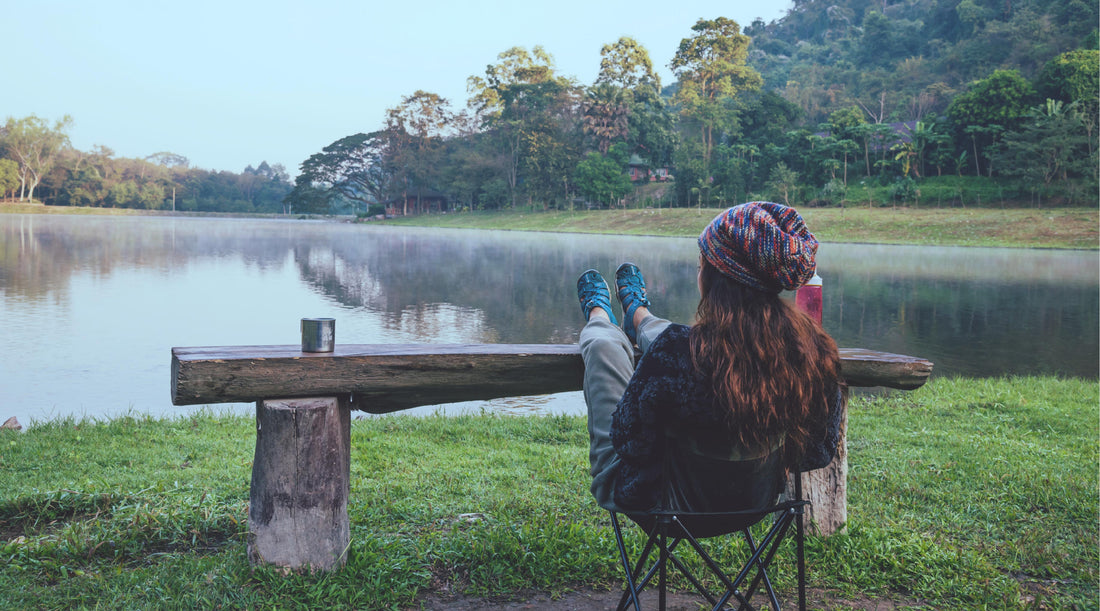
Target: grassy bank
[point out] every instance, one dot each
(1017, 228)
(9, 207)
(1077, 228)
(12, 207)
(966, 494)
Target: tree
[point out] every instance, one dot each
(990, 107)
(1073, 77)
(122, 195)
(9, 177)
(307, 198)
(516, 66)
(531, 112)
(639, 115)
(848, 124)
(931, 99)
(768, 135)
(473, 172)
(353, 167)
(845, 148)
(150, 196)
(626, 64)
(1051, 145)
(906, 153)
(651, 125)
(876, 43)
(416, 129)
(712, 70)
(783, 182)
(601, 177)
(924, 138)
(170, 160)
(605, 113)
(35, 146)
(264, 186)
(876, 137)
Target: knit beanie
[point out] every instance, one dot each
(762, 245)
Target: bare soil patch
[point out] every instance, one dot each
(585, 599)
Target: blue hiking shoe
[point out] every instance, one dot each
(630, 287)
(592, 292)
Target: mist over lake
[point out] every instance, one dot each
(93, 305)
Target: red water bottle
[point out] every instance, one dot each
(808, 297)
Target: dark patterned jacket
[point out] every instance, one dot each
(666, 391)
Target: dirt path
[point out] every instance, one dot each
(591, 600)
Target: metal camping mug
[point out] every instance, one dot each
(808, 297)
(318, 334)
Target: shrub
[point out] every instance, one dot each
(904, 190)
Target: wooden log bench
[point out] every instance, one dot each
(301, 472)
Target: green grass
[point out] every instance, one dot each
(965, 494)
(15, 207)
(926, 224)
(1077, 228)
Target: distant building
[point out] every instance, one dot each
(639, 171)
(903, 133)
(417, 201)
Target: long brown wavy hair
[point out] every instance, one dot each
(769, 364)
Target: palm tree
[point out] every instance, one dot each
(605, 110)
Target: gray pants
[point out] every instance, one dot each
(608, 366)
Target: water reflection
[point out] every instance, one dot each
(973, 311)
(522, 284)
(92, 304)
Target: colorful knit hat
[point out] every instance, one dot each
(762, 245)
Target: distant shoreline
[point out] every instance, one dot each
(8, 207)
(1050, 228)
(1055, 228)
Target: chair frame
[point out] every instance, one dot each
(670, 526)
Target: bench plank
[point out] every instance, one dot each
(383, 378)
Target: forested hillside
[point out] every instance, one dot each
(920, 53)
(885, 102)
(948, 101)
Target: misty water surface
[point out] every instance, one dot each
(92, 306)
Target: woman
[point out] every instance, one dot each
(753, 373)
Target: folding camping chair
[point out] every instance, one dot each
(711, 492)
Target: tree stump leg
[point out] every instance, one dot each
(827, 490)
(298, 511)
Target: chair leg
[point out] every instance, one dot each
(771, 543)
(636, 582)
(731, 586)
(761, 574)
(640, 582)
(632, 591)
(663, 579)
(686, 572)
(761, 557)
(767, 548)
(799, 537)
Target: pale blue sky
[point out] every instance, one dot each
(227, 84)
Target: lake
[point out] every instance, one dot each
(91, 306)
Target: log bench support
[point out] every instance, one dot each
(298, 502)
(298, 516)
(827, 490)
